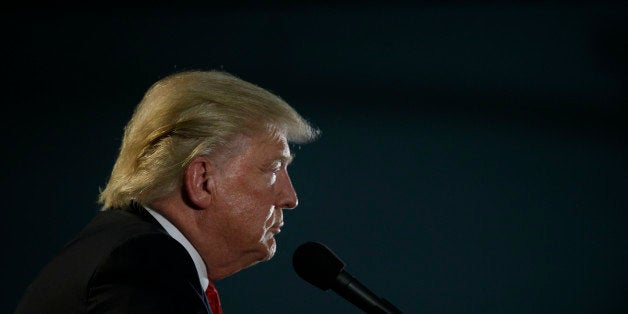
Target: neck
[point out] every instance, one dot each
(214, 249)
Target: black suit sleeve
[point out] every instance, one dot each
(149, 273)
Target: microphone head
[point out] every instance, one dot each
(317, 264)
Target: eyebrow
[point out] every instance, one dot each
(286, 160)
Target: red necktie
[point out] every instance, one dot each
(213, 298)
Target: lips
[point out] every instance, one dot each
(276, 228)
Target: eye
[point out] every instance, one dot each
(276, 167)
(273, 177)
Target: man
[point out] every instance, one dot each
(196, 194)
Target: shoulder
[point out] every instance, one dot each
(136, 240)
(149, 272)
(119, 258)
(148, 251)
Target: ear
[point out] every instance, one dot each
(197, 182)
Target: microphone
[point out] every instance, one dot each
(318, 265)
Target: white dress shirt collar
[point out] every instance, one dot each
(201, 269)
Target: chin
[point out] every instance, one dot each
(271, 248)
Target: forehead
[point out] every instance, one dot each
(270, 146)
(261, 148)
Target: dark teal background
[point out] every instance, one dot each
(472, 157)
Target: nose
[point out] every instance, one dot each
(287, 196)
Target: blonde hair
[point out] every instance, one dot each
(183, 116)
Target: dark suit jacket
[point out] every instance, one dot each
(122, 262)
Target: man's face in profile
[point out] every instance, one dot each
(250, 191)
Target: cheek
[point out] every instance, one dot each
(261, 216)
(238, 196)
(259, 197)
(255, 210)
(250, 202)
